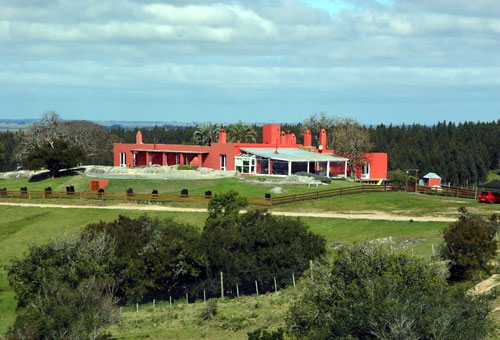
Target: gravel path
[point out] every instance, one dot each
(368, 215)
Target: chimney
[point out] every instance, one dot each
(307, 138)
(222, 136)
(138, 138)
(322, 138)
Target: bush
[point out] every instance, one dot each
(469, 246)
(368, 292)
(209, 310)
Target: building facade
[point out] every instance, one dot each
(278, 154)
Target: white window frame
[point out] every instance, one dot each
(223, 162)
(123, 159)
(245, 164)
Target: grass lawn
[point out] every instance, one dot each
(20, 226)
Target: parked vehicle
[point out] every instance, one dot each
(489, 197)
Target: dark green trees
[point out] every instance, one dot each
(255, 246)
(462, 154)
(63, 289)
(54, 156)
(469, 246)
(154, 258)
(368, 292)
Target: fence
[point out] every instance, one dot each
(332, 193)
(267, 201)
(448, 191)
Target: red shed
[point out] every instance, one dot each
(432, 180)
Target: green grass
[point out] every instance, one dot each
(234, 318)
(246, 186)
(20, 226)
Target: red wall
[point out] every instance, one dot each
(430, 182)
(378, 164)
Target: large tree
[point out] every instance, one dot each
(55, 155)
(346, 136)
(369, 292)
(95, 142)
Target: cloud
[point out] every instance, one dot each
(401, 49)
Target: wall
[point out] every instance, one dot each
(378, 164)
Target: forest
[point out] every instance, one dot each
(462, 154)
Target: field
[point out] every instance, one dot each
(21, 226)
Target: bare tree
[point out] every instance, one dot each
(346, 136)
(93, 139)
(39, 134)
(316, 122)
(351, 140)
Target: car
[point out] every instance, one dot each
(489, 197)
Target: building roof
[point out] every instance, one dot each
(432, 175)
(293, 155)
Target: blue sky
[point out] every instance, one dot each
(398, 61)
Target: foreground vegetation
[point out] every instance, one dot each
(18, 230)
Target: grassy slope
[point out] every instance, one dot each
(20, 226)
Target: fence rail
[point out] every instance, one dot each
(268, 201)
(333, 193)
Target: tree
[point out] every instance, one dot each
(240, 133)
(254, 245)
(346, 136)
(54, 156)
(95, 142)
(9, 140)
(154, 258)
(469, 246)
(316, 122)
(39, 135)
(369, 292)
(351, 140)
(206, 134)
(63, 289)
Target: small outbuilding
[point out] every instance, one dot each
(431, 180)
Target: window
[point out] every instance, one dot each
(245, 163)
(223, 162)
(365, 170)
(123, 159)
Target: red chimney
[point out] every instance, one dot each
(138, 138)
(222, 136)
(322, 138)
(307, 138)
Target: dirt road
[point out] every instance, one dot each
(368, 215)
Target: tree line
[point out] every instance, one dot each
(462, 154)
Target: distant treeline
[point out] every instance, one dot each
(462, 154)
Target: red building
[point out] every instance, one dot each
(431, 180)
(278, 154)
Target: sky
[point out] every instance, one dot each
(258, 61)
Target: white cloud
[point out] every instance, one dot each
(286, 45)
